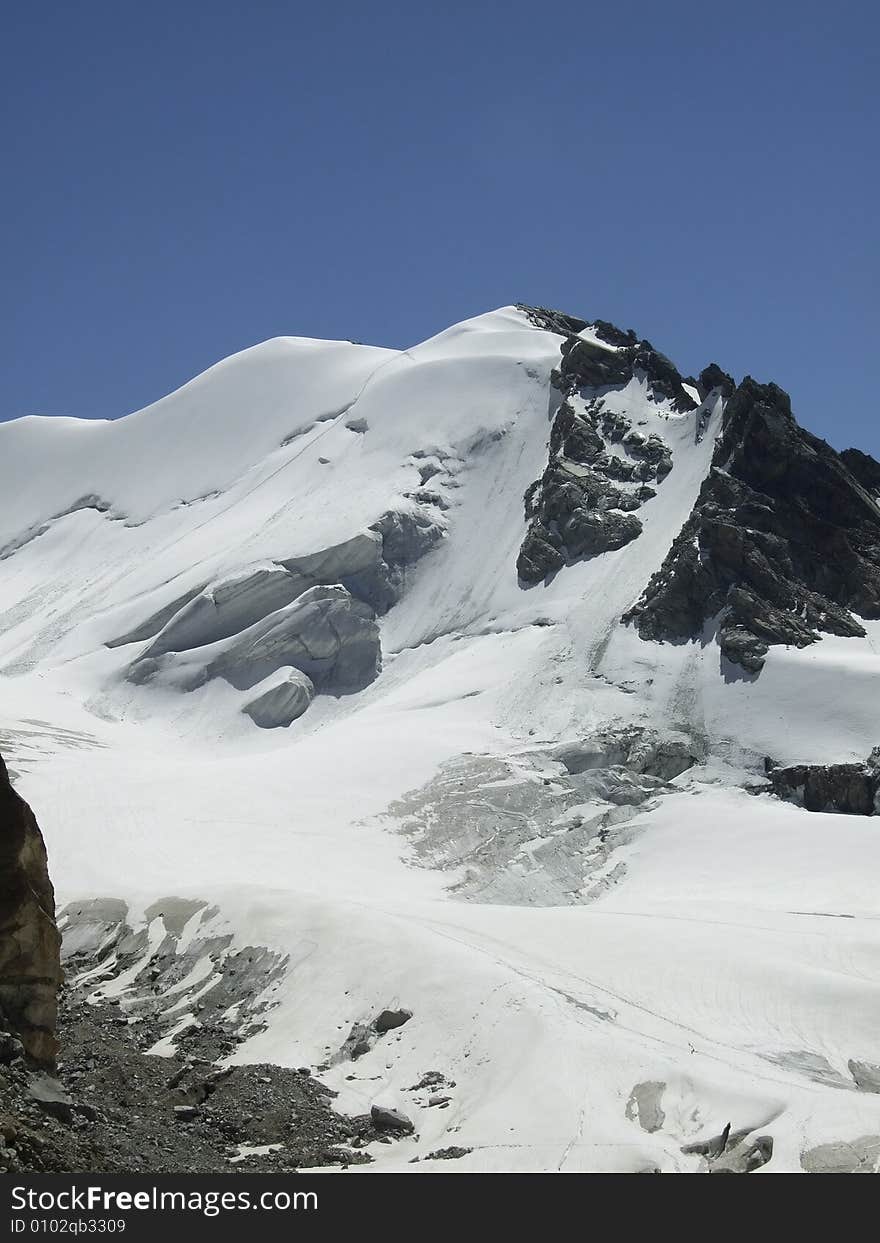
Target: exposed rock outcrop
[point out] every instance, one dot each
(553, 321)
(782, 544)
(864, 468)
(713, 379)
(600, 467)
(30, 970)
(582, 505)
(850, 788)
(587, 364)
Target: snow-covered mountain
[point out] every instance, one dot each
(466, 679)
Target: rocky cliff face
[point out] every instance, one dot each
(783, 542)
(30, 971)
(601, 468)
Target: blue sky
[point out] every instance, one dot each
(183, 180)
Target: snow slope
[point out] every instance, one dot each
(722, 945)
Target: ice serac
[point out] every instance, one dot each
(371, 566)
(324, 633)
(30, 971)
(783, 543)
(300, 624)
(283, 698)
(225, 608)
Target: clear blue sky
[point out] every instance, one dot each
(183, 180)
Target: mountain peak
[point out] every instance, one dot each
(341, 672)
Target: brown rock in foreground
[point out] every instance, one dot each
(30, 969)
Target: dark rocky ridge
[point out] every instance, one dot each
(593, 367)
(865, 468)
(783, 542)
(587, 365)
(582, 506)
(30, 968)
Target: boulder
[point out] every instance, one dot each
(388, 1020)
(385, 1119)
(733, 1152)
